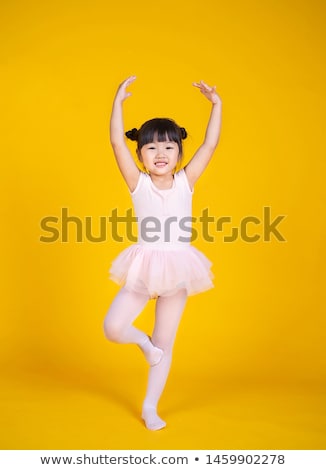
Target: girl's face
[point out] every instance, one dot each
(160, 158)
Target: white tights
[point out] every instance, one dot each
(118, 327)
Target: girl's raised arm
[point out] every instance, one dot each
(126, 163)
(203, 155)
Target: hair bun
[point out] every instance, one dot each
(133, 134)
(183, 132)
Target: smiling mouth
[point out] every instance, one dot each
(160, 164)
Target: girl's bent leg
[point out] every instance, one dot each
(167, 318)
(125, 308)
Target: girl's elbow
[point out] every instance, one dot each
(117, 144)
(211, 146)
(215, 143)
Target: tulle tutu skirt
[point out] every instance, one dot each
(162, 271)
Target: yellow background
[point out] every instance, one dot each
(249, 369)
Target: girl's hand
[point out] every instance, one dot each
(122, 94)
(208, 91)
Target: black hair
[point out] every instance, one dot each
(160, 129)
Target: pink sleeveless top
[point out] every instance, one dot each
(163, 215)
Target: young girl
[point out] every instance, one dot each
(162, 265)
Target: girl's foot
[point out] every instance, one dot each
(152, 421)
(151, 352)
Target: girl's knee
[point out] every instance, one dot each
(113, 330)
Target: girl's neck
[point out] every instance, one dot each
(162, 181)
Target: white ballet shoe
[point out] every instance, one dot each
(152, 421)
(152, 353)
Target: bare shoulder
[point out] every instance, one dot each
(127, 166)
(191, 182)
(132, 182)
